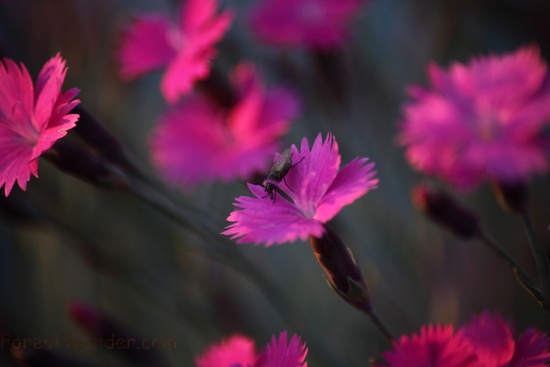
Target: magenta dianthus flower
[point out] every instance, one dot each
(494, 344)
(479, 121)
(486, 341)
(186, 48)
(318, 191)
(436, 346)
(312, 23)
(197, 142)
(283, 353)
(32, 118)
(239, 351)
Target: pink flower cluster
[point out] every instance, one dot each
(196, 141)
(32, 118)
(487, 341)
(239, 351)
(317, 190)
(481, 121)
(185, 48)
(312, 23)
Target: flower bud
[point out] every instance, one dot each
(446, 211)
(96, 136)
(512, 197)
(114, 335)
(77, 161)
(218, 89)
(42, 357)
(343, 274)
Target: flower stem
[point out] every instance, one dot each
(377, 321)
(541, 259)
(521, 274)
(224, 250)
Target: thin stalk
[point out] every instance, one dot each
(224, 251)
(541, 259)
(377, 321)
(521, 274)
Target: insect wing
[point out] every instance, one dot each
(282, 165)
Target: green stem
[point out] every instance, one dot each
(521, 274)
(541, 259)
(224, 250)
(377, 321)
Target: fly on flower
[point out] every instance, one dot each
(320, 190)
(278, 171)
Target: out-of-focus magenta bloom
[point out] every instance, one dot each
(239, 351)
(185, 48)
(313, 23)
(318, 191)
(435, 346)
(494, 344)
(32, 118)
(486, 341)
(197, 142)
(281, 353)
(481, 121)
(236, 351)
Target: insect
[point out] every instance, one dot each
(278, 171)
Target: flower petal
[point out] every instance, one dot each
(280, 353)
(146, 45)
(16, 98)
(31, 118)
(435, 346)
(352, 182)
(532, 350)
(261, 220)
(491, 338)
(481, 121)
(236, 351)
(311, 178)
(186, 140)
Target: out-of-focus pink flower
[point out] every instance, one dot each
(492, 339)
(236, 351)
(494, 344)
(318, 192)
(436, 346)
(280, 353)
(197, 142)
(487, 341)
(313, 23)
(481, 121)
(31, 118)
(185, 48)
(239, 351)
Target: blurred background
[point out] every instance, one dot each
(64, 240)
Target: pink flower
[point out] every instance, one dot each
(279, 353)
(197, 142)
(186, 48)
(235, 351)
(494, 344)
(492, 339)
(239, 351)
(487, 341)
(313, 23)
(31, 118)
(318, 191)
(481, 121)
(436, 346)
